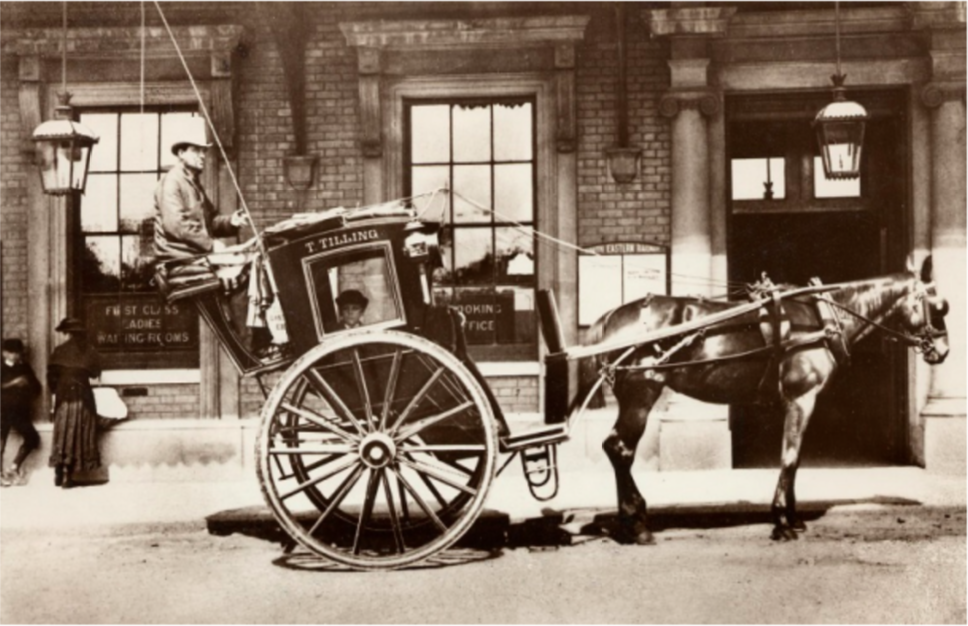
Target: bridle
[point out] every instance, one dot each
(924, 338)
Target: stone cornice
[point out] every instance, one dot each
(121, 41)
(706, 102)
(706, 21)
(934, 94)
(525, 31)
(937, 15)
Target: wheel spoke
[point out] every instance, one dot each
(323, 448)
(420, 501)
(330, 395)
(338, 497)
(320, 421)
(427, 447)
(391, 389)
(417, 399)
(426, 469)
(318, 479)
(371, 489)
(412, 429)
(362, 388)
(394, 518)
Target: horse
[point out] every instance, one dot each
(784, 352)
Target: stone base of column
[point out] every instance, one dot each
(694, 436)
(944, 436)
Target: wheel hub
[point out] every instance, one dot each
(377, 450)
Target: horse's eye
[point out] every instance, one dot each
(939, 306)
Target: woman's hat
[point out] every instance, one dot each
(190, 132)
(352, 296)
(13, 345)
(71, 325)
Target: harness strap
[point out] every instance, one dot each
(837, 341)
(787, 345)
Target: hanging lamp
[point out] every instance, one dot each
(840, 126)
(63, 145)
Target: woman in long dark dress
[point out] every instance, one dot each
(71, 366)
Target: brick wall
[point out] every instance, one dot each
(608, 211)
(13, 196)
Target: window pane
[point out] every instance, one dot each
(139, 142)
(513, 193)
(430, 134)
(750, 178)
(136, 266)
(104, 154)
(515, 256)
(473, 256)
(512, 132)
(171, 124)
(99, 209)
(473, 182)
(427, 178)
(525, 320)
(472, 134)
(137, 200)
(101, 265)
(824, 187)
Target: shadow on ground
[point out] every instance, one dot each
(493, 530)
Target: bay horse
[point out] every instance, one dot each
(783, 352)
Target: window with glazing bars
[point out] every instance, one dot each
(129, 322)
(480, 157)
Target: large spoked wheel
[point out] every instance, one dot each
(376, 449)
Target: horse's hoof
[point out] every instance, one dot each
(644, 538)
(783, 533)
(799, 526)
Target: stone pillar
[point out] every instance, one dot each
(944, 413)
(943, 25)
(694, 435)
(691, 225)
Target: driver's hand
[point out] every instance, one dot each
(238, 218)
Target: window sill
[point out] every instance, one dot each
(151, 377)
(510, 368)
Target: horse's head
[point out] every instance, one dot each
(922, 313)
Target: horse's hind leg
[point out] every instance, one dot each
(786, 522)
(634, 406)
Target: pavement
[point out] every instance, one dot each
(583, 496)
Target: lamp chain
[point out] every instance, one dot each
(64, 49)
(837, 30)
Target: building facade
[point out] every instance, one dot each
(674, 138)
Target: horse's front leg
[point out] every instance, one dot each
(635, 402)
(786, 522)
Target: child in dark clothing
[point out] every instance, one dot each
(18, 387)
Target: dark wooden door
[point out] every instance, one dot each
(860, 419)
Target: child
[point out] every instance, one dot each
(19, 387)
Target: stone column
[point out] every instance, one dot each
(693, 435)
(943, 26)
(690, 206)
(944, 414)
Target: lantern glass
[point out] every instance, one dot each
(64, 153)
(841, 143)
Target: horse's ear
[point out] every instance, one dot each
(909, 264)
(927, 270)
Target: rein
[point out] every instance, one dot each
(920, 342)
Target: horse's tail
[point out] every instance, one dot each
(588, 371)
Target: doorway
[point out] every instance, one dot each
(788, 221)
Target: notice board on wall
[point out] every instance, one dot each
(611, 274)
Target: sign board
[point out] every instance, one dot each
(490, 316)
(141, 322)
(616, 273)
